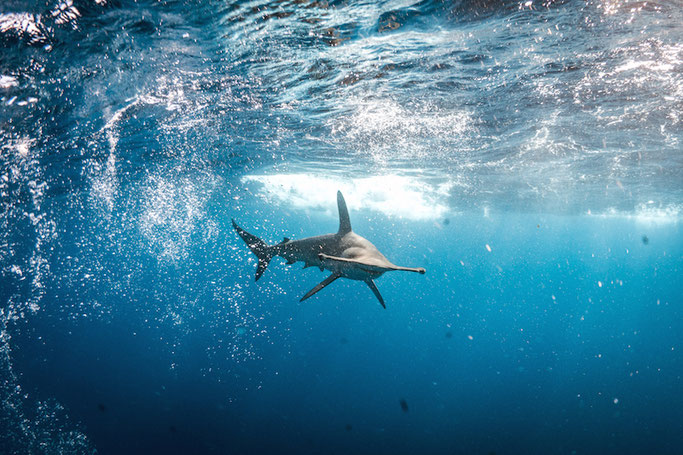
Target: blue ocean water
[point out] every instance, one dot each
(527, 154)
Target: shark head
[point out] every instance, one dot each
(357, 251)
(359, 259)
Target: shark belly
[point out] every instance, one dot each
(309, 251)
(352, 273)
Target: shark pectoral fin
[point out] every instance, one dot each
(366, 265)
(371, 285)
(370, 264)
(320, 285)
(327, 257)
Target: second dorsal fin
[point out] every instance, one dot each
(344, 221)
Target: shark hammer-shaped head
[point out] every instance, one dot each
(344, 253)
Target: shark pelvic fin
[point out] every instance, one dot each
(320, 285)
(371, 285)
(344, 221)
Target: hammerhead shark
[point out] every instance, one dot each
(344, 253)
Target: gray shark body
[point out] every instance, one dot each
(344, 253)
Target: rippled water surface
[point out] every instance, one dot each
(528, 154)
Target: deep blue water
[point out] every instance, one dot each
(529, 155)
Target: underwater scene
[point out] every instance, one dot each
(524, 158)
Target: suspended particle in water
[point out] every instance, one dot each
(488, 247)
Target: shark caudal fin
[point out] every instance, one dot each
(258, 247)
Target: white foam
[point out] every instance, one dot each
(393, 195)
(647, 213)
(8, 81)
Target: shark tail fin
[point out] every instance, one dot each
(262, 251)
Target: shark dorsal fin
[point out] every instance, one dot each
(344, 221)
